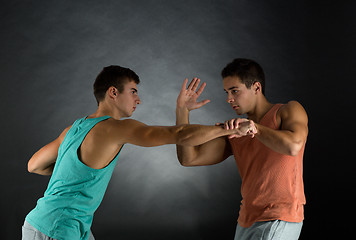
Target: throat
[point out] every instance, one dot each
(259, 112)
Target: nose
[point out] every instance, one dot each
(138, 100)
(229, 99)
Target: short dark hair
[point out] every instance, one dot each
(113, 76)
(247, 70)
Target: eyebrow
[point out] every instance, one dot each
(231, 88)
(134, 89)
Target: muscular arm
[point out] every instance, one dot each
(209, 153)
(214, 151)
(42, 162)
(293, 131)
(137, 133)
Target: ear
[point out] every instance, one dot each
(112, 92)
(257, 87)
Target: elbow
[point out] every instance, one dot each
(186, 164)
(294, 149)
(186, 161)
(30, 167)
(293, 153)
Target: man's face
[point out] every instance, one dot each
(127, 100)
(240, 97)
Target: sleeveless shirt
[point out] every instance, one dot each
(272, 183)
(74, 191)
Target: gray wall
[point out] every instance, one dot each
(51, 52)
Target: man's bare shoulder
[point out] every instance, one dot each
(120, 128)
(112, 131)
(292, 108)
(119, 124)
(291, 105)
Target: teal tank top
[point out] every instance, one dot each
(74, 191)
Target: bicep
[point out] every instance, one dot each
(295, 120)
(140, 134)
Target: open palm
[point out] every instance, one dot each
(188, 96)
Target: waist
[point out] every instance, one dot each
(77, 203)
(289, 212)
(60, 222)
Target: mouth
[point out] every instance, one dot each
(134, 108)
(235, 107)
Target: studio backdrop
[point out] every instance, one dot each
(51, 52)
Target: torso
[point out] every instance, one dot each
(272, 184)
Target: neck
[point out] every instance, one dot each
(105, 109)
(261, 107)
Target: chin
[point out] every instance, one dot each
(126, 115)
(239, 112)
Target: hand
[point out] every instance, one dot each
(187, 97)
(243, 127)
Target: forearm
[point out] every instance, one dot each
(182, 116)
(186, 101)
(282, 141)
(198, 145)
(194, 135)
(210, 151)
(185, 154)
(42, 162)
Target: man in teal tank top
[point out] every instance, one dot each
(81, 160)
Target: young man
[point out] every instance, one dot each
(81, 160)
(270, 160)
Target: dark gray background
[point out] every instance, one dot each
(51, 52)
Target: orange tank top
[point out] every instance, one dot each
(272, 183)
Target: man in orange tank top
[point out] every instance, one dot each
(268, 151)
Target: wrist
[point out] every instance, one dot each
(182, 110)
(258, 129)
(182, 115)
